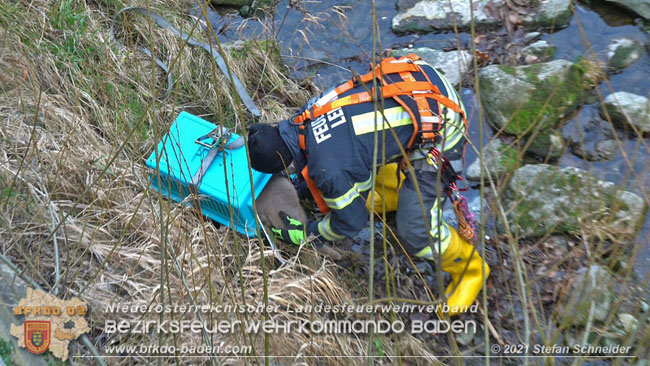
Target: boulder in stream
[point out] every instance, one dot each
(434, 15)
(499, 158)
(591, 138)
(541, 199)
(431, 15)
(533, 99)
(591, 291)
(636, 107)
(623, 52)
(541, 50)
(640, 7)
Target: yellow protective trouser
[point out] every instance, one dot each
(460, 259)
(386, 188)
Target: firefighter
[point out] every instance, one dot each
(330, 141)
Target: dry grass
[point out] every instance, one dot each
(79, 117)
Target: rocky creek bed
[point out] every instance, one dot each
(566, 145)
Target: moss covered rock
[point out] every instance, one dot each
(542, 50)
(524, 99)
(549, 14)
(548, 145)
(623, 52)
(543, 199)
(592, 289)
(499, 158)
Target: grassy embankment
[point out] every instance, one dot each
(79, 117)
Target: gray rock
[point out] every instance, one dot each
(547, 145)
(591, 138)
(628, 322)
(550, 14)
(515, 99)
(593, 285)
(542, 199)
(453, 63)
(640, 7)
(636, 107)
(433, 15)
(540, 49)
(623, 52)
(499, 159)
(532, 36)
(12, 288)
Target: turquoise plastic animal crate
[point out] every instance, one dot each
(180, 157)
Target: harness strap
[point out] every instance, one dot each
(315, 192)
(420, 91)
(404, 67)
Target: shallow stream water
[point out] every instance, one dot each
(337, 36)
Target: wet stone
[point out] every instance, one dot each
(465, 338)
(591, 291)
(433, 15)
(430, 15)
(499, 159)
(640, 7)
(542, 50)
(621, 105)
(590, 138)
(532, 36)
(511, 96)
(541, 199)
(623, 52)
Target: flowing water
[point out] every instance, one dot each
(332, 39)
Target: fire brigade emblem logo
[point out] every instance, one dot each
(37, 335)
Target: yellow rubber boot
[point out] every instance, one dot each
(386, 188)
(462, 260)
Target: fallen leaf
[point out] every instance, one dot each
(482, 55)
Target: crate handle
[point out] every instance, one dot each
(219, 139)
